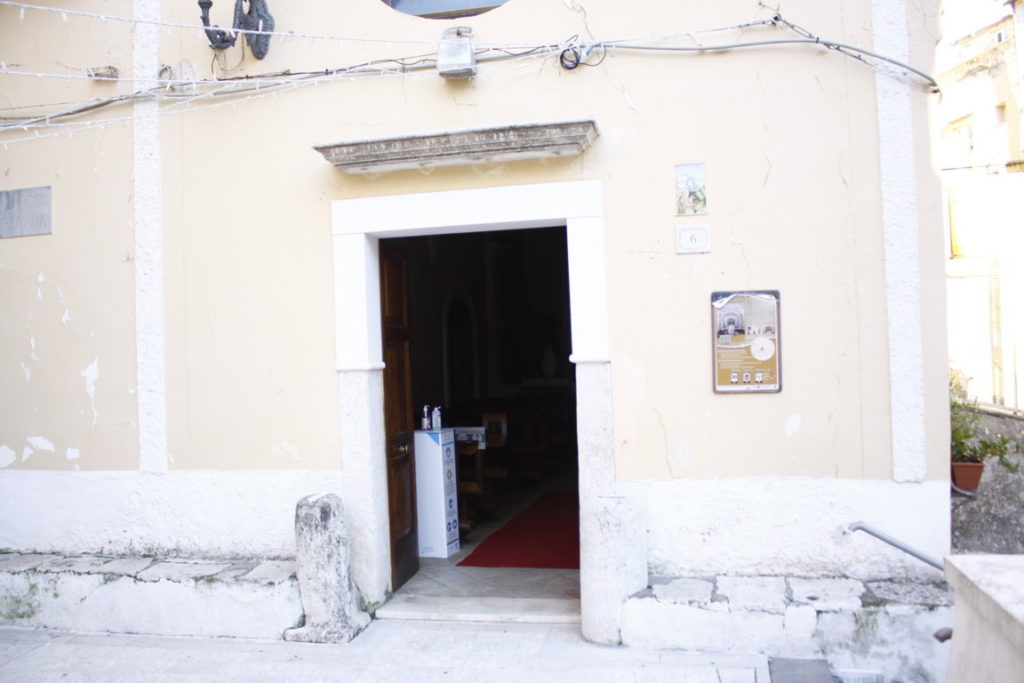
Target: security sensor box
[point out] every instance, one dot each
(455, 57)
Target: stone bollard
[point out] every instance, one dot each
(328, 594)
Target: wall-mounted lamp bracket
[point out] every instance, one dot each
(219, 38)
(257, 18)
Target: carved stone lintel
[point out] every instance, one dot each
(454, 148)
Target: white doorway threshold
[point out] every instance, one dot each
(491, 610)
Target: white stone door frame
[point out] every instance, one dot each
(357, 226)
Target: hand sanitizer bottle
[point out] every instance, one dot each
(425, 422)
(436, 418)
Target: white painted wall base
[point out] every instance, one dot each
(187, 514)
(789, 526)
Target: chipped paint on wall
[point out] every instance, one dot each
(286, 450)
(67, 296)
(7, 456)
(41, 443)
(792, 425)
(72, 454)
(91, 373)
(66, 316)
(680, 455)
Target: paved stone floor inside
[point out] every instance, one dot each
(442, 590)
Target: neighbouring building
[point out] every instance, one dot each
(981, 154)
(693, 247)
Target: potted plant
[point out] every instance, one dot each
(968, 450)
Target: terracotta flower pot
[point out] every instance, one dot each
(967, 475)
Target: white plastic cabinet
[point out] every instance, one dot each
(437, 504)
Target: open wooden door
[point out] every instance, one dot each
(398, 414)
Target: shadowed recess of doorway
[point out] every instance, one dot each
(546, 535)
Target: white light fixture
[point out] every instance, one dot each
(455, 56)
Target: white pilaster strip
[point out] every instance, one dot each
(588, 295)
(149, 283)
(357, 302)
(902, 250)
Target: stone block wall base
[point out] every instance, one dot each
(842, 620)
(147, 596)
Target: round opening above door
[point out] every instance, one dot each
(443, 9)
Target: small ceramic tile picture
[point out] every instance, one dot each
(691, 189)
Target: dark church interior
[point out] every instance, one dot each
(490, 330)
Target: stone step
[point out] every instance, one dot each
(151, 596)
(783, 670)
(493, 610)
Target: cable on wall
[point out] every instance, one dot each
(171, 87)
(571, 57)
(181, 94)
(65, 13)
(842, 48)
(187, 104)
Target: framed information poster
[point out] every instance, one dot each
(745, 330)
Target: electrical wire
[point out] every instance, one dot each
(199, 27)
(341, 39)
(65, 13)
(172, 87)
(574, 56)
(849, 50)
(182, 94)
(830, 44)
(806, 37)
(692, 35)
(187, 105)
(277, 78)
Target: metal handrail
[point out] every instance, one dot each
(895, 543)
(963, 492)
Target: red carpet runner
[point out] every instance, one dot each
(545, 535)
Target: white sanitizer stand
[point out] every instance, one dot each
(437, 504)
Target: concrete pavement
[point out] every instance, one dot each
(414, 651)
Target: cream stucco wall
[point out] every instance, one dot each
(67, 346)
(790, 139)
(791, 142)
